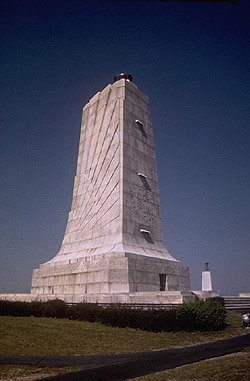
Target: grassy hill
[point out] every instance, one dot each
(46, 336)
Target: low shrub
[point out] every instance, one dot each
(84, 311)
(123, 317)
(218, 299)
(156, 320)
(20, 308)
(15, 308)
(208, 315)
(54, 308)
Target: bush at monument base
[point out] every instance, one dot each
(205, 315)
(208, 315)
(52, 308)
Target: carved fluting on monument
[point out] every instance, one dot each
(113, 243)
(95, 208)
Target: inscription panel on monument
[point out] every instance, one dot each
(143, 210)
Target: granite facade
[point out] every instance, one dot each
(113, 243)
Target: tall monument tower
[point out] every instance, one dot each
(113, 246)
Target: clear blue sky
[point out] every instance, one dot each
(191, 59)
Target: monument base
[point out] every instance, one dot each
(161, 297)
(203, 295)
(110, 274)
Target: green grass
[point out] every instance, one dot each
(235, 367)
(45, 336)
(31, 373)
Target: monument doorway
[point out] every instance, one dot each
(162, 282)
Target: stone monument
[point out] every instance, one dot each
(206, 279)
(113, 249)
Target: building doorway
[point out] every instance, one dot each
(162, 282)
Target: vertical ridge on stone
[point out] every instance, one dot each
(113, 241)
(95, 208)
